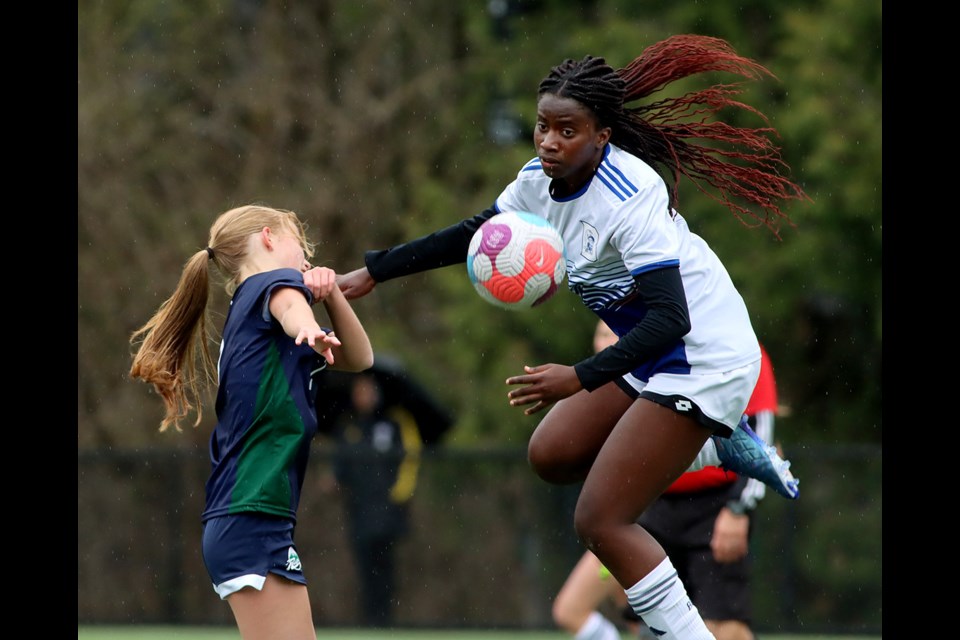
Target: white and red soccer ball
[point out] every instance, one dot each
(516, 260)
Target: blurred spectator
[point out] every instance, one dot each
(381, 420)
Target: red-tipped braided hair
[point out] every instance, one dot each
(742, 165)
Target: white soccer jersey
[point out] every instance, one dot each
(619, 225)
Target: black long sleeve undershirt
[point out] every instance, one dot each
(667, 320)
(439, 249)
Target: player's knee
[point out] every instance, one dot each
(559, 613)
(550, 464)
(542, 465)
(590, 524)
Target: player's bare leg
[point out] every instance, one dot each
(280, 610)
(565, 444)
(639, 456)
(730, 630)
(576, 607)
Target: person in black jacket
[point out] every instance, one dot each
(381, 420)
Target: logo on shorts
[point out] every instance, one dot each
(293, 560)
(683, 405)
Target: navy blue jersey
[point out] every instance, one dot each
(265, 406)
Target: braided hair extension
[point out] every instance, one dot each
(741, 164)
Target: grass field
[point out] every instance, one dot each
(209, 633)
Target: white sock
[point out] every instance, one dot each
(706, 458)
(660, 599)
(597, 628)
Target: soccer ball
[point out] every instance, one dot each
(516, 260)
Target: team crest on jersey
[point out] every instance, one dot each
(588, 246)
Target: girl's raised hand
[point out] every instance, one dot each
(321, 281)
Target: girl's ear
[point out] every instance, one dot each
(266, 237)
(603, 136)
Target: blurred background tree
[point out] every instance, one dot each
(380, 120)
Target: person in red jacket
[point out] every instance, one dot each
(703, 522)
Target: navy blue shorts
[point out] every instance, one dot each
(240, 550)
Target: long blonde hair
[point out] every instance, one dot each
(174, 345)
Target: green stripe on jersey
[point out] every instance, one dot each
(274, 437)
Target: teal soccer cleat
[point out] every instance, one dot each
(746, 454)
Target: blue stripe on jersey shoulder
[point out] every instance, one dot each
(533, 165)
(616, 181)
(656, 265)
(607, 166)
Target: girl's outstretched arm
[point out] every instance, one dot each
(289, 306)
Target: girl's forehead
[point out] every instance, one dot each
(557, 106)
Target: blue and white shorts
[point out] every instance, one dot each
(240, 550)
(715, 400)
